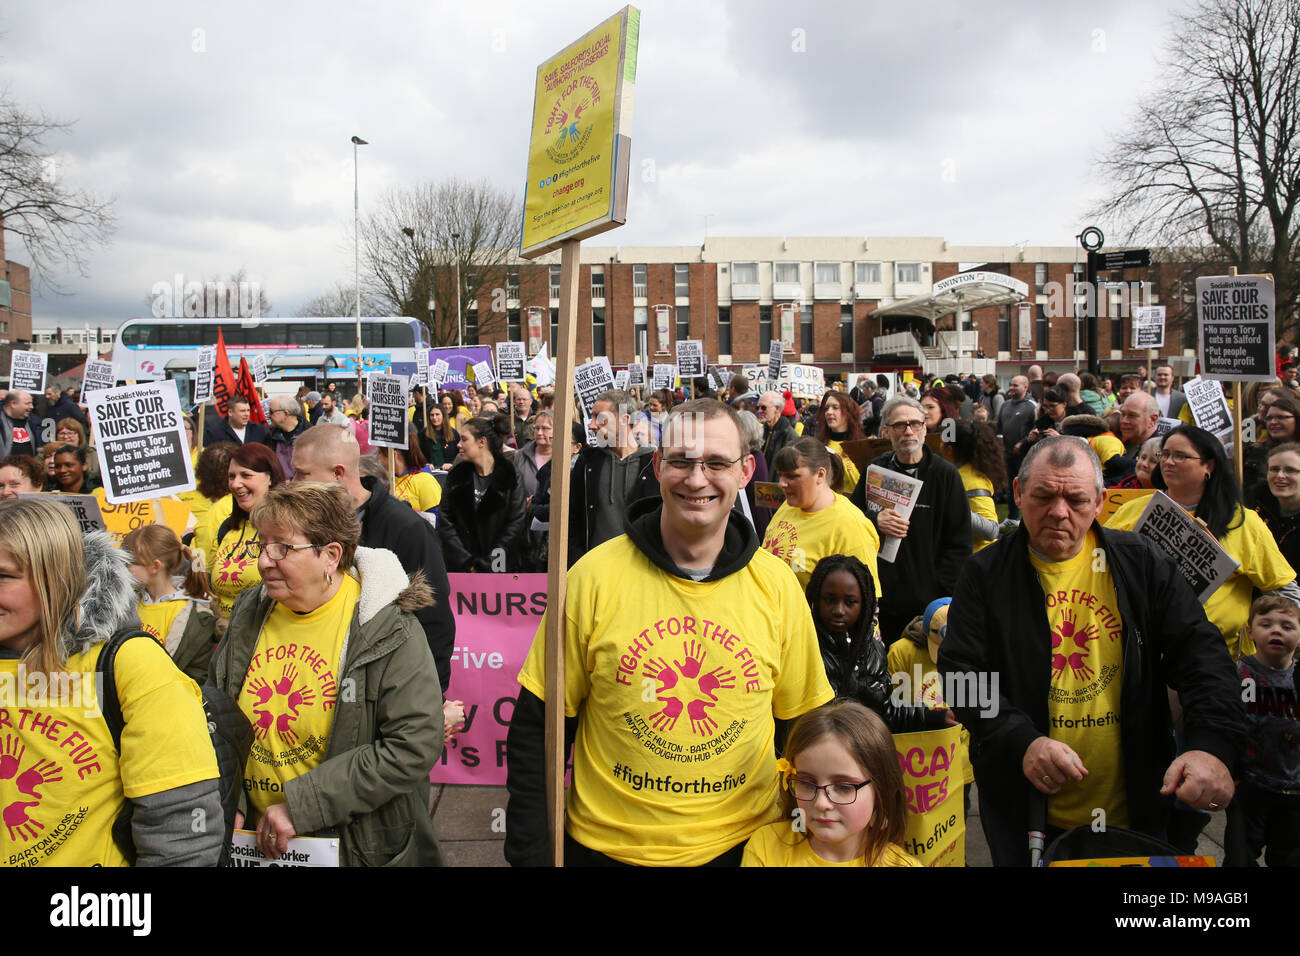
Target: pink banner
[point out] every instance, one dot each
(496, 618)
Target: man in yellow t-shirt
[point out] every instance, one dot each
(677, 669)
(1083, 629)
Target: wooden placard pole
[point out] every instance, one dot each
(558, 558)
(1238, 453)
(199, 434)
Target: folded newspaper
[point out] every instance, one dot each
(891, 490)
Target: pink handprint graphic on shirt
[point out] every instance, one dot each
(666, 718)
(262, 725)
(262, 689)
(11, 753)
(658, 669)
(44, 771)
(1081, 670)
(284, 730)
(701, 722)
(714, 680)
(694, 659)
(285, 683)
(19, 823)
(304, 696)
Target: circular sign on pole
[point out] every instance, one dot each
(1092, 238)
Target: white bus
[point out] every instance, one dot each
(295, 348)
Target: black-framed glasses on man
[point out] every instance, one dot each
(715, 466)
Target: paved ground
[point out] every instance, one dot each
(471, 828)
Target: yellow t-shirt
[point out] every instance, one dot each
(157, 617)
(1261, 566)
(232, 569)
(801, 538)
(979, 495)
(904, 658)
(778, 845)
(1087, 677)
(1107, 446)
(851, 474)
(62, 782)
(419, 490)
(675, 684)
(290, 691)
(206, 530)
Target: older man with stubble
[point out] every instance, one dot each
(1081, 628)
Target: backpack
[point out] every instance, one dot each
(230, 730)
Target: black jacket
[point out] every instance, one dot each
(998, 625)
(586, 475)
(471, 532)
(1284, 528)
(218, 429)
(527, 842)
(938, 538)
(775, 438)
(388, 522)
(868, 682)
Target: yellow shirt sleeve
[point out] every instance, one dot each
(577, 677)
(801, 684)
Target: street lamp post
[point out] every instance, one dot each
(455, 238)
(356, 248)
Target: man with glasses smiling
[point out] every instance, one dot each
(685, 645)
(936, 539)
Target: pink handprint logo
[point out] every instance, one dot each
(19, 823)
(1068, 630)
(656, 668)
(676, 694)
(11, 754)
(43, 772)
(280, 703)
(666, 718)
(17, 820)
(716, 679)
(701, 722)
(694, 660)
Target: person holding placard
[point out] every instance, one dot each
(481, 519)
(67, 777)
(232, 566)
(413, 483)
(330, 665)
(815, 521)
(1195, 473)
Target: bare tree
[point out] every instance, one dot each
(1210, 167)
(57, 223)
(341, 300)
(422, 239)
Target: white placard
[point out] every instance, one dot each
(620, 378)
(257, 365)
(98, 376)
(438, 372)
(387, 394)
(1199, 557)
(1237, 337)
(775, 358)
(204, 372)
(85, 509)
(636, 375)
(1209, 405)
(422, 367)
(141, 443)
(27, 371)
(483, 375)
(302, 851)
(1149, 327)
(589, 380)
(690, 358)
(664, 376)
(511, 360)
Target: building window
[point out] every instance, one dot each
(514, 332)
(1042, 330)
(471, 285)
(744, 273)
(1004, 329)
(641, 329)
(764, 329)
(683, 322)
(785, 272)
(471, 327)
(907, 272)
(1116, 329)
(638, 282)
(597, 331)
(681, 280)
(512, 284)
(806, 330)
(597, 284)
(555, 330)
(1040, 276)
(826, 272)
(864, 272)
(555, 282)
(724, 330)
(846, 329)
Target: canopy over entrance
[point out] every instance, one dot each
(963, 292)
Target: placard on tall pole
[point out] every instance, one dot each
(579, 155)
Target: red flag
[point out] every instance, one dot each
(247, 387)
(223, 379)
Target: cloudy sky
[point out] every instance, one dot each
(223, 129)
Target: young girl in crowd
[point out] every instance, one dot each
(842, 799)
(181, 619)
(842, 596)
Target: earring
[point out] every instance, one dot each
(329, 579)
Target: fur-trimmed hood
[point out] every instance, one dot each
(108, 604)
(384, 581)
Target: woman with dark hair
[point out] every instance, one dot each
(481, 519)
(414, 483)
(453, 406)
(977, 453)
(839, 420)
(990, 397)
(232, 564)
(438, 443)
(71, 472)
(1194, 471)
(939, 405)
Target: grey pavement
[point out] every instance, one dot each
(471, 828)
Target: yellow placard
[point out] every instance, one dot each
(577, 152)
(933, 768)
(120, 520)
(1116, 498)
(908, 377)
(768, 494)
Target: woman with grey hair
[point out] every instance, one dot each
(751, 430)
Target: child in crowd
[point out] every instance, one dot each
(180, 619)
(842, 596)
(1265, 812)
(842, 798)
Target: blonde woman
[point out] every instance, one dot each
(64, 780)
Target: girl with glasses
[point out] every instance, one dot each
(843, 784)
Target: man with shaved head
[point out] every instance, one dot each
(328, 452)
(1137, 421)
(1015, 419)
